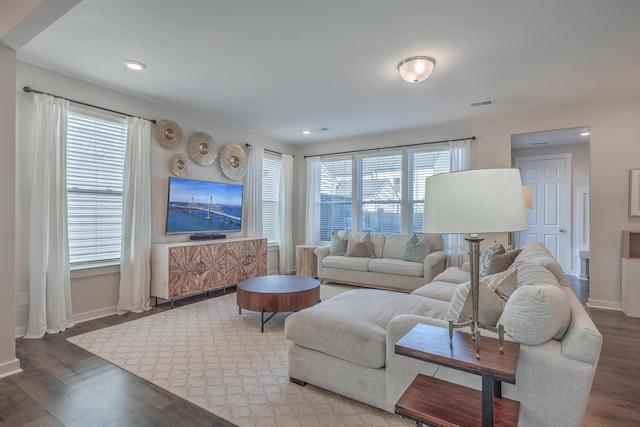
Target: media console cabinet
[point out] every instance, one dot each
(188, 268)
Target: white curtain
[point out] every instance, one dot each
(312, 225)
(49, 277)
(135, 258)
(253, 193)
(285, 241)
(459, 159)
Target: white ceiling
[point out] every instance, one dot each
(280, 66)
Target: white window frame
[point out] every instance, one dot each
(407, 183)
(78, 147)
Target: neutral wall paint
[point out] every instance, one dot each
(95, 296)
(8, 362)
(614, 149)
(579, 178)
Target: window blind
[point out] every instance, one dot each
(95, 179)
(380, 193)
(270, 198)
(335, 196)
(423, 164)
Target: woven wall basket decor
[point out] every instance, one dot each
(233, 162)
(168, 134)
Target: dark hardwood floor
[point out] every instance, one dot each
(63, 385)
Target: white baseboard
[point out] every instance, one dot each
(94, 314)
(21, 331)
(10, 368)
(605, 305)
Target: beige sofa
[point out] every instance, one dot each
(346, 344)
(388, 269)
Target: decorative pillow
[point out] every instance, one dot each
(490, 305)
(536, 313)
(511, 247)
(360, 246)
(503, 283)
(500, 262)
(487, 254)
(417, 249)
(339, 244)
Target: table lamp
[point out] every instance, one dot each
(472, 202)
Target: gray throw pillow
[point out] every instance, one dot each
(417, 249)
(339, 244)
(500, 262)
(360, 246)
(486, 255)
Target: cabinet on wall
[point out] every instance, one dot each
(630, 295)
(182, 269)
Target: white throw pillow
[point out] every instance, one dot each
(490, 305)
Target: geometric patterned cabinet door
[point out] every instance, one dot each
(181, 269)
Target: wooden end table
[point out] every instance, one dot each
(277, 294)
(433, 401)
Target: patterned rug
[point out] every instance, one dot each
(217, 359)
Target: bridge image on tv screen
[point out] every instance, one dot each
(202, 206)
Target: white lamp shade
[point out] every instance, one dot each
(416, 68)
(475, 201)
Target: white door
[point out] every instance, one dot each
(550, 216)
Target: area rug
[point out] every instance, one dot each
(217, 359)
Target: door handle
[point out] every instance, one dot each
(562, 230)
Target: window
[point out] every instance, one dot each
(380, 193)
(95, 179)
(386, 195)
(423, 164)
(336, 191)
(271, 198)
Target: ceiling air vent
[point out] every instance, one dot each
(481, 103)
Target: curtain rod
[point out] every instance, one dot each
(269, 151)
(473, 138)
(27, 89)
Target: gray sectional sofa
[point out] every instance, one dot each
(346, 344)
(387, 269)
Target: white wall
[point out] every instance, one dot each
(95, 296)
(579, 178)
(614, 149)
(8, 362)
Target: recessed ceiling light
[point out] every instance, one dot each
(306, 132)
(585, 133)
(134, 65)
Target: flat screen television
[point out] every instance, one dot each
(195, 206)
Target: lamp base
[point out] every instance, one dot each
(474, 252)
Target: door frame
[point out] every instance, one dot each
(568, 197)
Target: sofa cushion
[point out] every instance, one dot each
(490, 305)
(395, 246)
(504, 283)
(485, 256)
(453, 275)
(353, 325)
(442, 291)
(346, 263)
(360, 246)
(535, 314)
(417, 248)
(538, 253)
(500, 262)
(339, 244)
(377, 240)
(396, 266)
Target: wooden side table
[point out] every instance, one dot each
(306, 261)
(433, 402)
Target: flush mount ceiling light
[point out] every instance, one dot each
(134, 65)
(416, 68)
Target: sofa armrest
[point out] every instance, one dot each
(466, 267)
(400, 325)
(322, 251)
(434, 264)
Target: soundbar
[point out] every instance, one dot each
(207, 236)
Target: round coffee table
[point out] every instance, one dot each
(277, 294)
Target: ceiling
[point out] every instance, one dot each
(278, 67)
